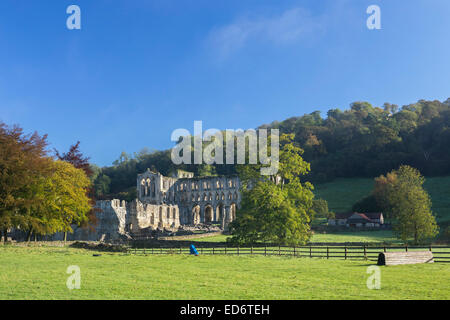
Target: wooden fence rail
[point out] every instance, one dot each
(440, 253)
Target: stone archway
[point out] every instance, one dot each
(209, 214)
(219, 212)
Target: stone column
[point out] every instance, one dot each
(226, 217)
(215, 218)
(202, 213)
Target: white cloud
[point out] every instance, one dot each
(287, 28)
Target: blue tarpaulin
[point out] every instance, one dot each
(194, 250)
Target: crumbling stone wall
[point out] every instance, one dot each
(154, 216)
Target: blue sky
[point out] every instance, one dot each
(137, 70)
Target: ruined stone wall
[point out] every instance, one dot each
(112, 218)
(153, 216)
(208, 199)
(199, 200)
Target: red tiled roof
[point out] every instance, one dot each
(362, 215)
(374, 215)
(366, 216)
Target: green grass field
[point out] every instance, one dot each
(361, 236)
(40, 273)
(341, 194)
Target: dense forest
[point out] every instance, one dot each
(362, 141)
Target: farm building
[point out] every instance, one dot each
(355, 219)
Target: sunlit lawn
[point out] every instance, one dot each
(40, 273)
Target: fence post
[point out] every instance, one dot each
(430, 247)
(265, 250)
(384, 248)
(152, 250)
(365, 253)
(251, 250)
(279, 250)
(406, 247)
(345, 252)
(294, 251)
(328, 253)
(225, 250)
(237, 250)
(213, 250)
(310, 251)
(180, 250)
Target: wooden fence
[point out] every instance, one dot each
(440, 253)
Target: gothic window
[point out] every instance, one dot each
(152, 188)
(143, 188)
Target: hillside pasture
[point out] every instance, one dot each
(341, 194)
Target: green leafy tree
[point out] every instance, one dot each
(23, 165)
(206, 170)
(275, 208)
(320, 208)
(410, 206)
(401, 197)
(102, 185)
(66, 201)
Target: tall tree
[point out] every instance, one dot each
(275, 208)
(75, 157)
(23, 164)
(410, 206)
(401, 197)
(66, 201)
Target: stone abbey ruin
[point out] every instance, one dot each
(165, 204)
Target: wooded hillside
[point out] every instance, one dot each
(362, 141)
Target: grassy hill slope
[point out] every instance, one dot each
(341, 194)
